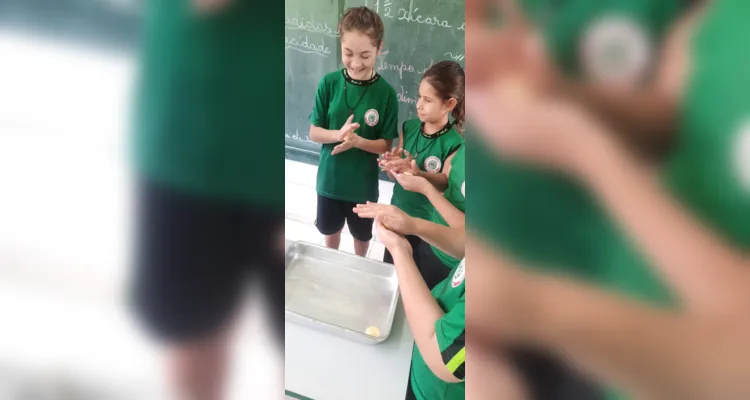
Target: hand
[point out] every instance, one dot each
(347, 136)
(413, 183)
(403, 165)
(391, 240)
(514, 49)
(347, 129)
(391, 216)
(388, 156)
(552, 133)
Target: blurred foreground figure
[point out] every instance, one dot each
(606, 55)
(209, 212)
(681, 330)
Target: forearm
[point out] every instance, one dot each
(647, 352)
(452, 241)
(422, 312)
(323, 136)
(452, 215)
(437, 179)
(377, 146)
(710, 276)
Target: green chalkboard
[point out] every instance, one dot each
(418, 33)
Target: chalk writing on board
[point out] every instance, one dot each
(413, 16)
(403, 96)
(304, 45)
(386, 9)
(299, 137)
(455, 57)
(310, 25)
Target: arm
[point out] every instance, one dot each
(710, 275)
(377, 146)
(648, 352)
(422, 312)
(452, 215)
(324, 136)
(438, 179)
(450, 240)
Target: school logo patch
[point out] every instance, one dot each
(741, 157)
(372, 117)
(616, 50)
(459, 275)
(432, 164)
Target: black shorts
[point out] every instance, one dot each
(194, 259)
(413, 241)
(332, 214)
(432, 269)
(545, 377)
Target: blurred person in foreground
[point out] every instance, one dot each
(689, 220)
(613, 57)
(209, 200)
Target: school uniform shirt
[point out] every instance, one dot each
(450, 331)
(353, 175)
(196, 121)
(456, 195)
(430, 153)
(543, 218)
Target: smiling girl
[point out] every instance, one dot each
(355, 118)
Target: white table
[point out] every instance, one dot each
(320, 366)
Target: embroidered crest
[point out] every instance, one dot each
(616, 50)
(432, 164)
(372, 117)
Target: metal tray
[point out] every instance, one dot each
(339, 293)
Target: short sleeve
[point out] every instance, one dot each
(451, 336)
(390, 122)
(319, 115)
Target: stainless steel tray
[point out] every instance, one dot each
(340, 293)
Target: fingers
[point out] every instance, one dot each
(340, 148)
(349, 120)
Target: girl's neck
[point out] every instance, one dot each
(433, 127)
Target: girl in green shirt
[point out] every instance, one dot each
(355, 119)
(426, 143)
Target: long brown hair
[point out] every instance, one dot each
(448, 79)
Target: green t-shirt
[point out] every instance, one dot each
(353, 174)
(451, 336)
(208, 117)
(430, 152)
(456, 195)
(540, 217)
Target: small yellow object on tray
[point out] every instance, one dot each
(373, 331)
